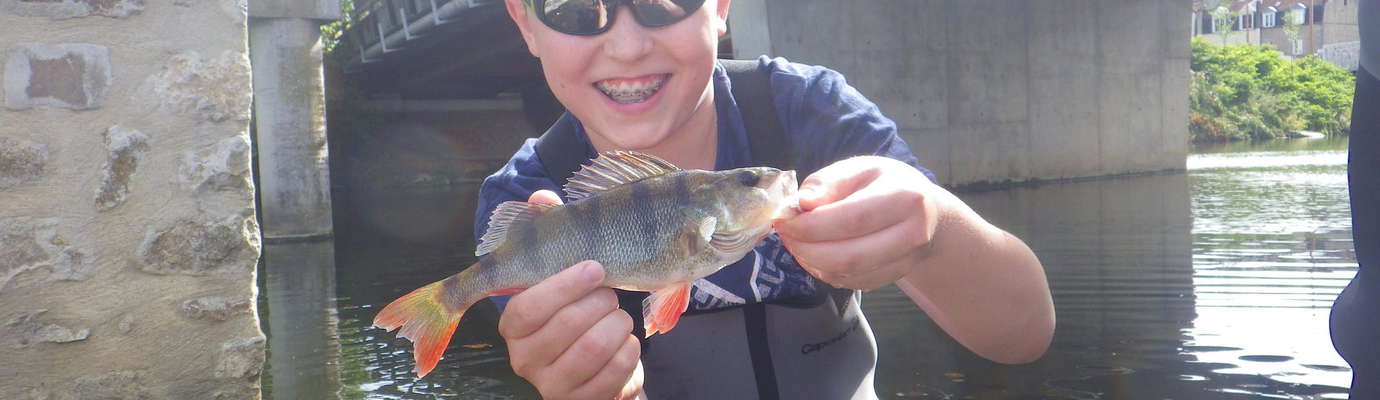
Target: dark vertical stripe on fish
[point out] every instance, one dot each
(642, 204)
(682, 188)
(451, 293)
(590, 231)
(527, 245)
(487, 272)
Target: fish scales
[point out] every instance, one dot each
(635, 229)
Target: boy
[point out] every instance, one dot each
(641, 75)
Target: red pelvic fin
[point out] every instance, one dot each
(661, 311)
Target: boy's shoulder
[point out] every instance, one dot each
(827, 120)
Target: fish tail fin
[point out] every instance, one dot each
(428, 317)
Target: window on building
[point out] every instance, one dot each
(1298, 47)
(1318, 14)
(1298, 15)
(1269, 20)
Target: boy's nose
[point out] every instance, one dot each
(626, 40)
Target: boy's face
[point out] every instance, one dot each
(631, 86)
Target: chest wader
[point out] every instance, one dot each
(811, 347)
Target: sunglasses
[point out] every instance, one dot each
(592, 17)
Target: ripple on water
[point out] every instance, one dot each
(1265, 358)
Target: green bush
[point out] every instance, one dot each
(1251, 92)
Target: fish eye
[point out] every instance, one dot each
(748, 178)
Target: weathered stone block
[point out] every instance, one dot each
(70, 75)
(241, 358)
(215, 89)
(126, 323)
(112, 385)
(25, 329)
(125, 147)
(190, 247)
(223, 166)
(214, 308)
(21, 161)
(34, 245)
(63, 9)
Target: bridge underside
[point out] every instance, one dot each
(475, 52)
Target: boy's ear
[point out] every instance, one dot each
(722, 12)
(517, 11)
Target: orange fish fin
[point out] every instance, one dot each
(663, 308)
(426, 320)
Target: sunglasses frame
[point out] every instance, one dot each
(612, 5)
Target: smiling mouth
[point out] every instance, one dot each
(629, 91)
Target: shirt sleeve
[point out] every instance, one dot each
(828, 120)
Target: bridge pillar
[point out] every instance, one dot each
(289, 114)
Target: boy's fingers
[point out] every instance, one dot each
(858, 262)
(865, 212)
(556, 336)
(529, 310)
(544, 196)
(833, 183)
(592, 351)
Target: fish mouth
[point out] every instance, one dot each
(783, 189)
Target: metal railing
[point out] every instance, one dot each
(385, 26)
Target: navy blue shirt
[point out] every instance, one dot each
(824, 119)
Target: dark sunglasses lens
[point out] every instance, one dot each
(664, 12)
(575, 16)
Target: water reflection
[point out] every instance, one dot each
(1118, 258)
(420, 237)
(301, 323)
(1213, 283)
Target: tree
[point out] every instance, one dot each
(1222, 17)
(1291, 31)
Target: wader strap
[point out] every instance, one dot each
(755, 323)
(751, 87)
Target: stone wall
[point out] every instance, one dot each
(997, 90)
(127, 232)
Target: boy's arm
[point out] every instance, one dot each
(872, 221)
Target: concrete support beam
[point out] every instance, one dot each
(289, 109)
(747, 22)
(1000, 90)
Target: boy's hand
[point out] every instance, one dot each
(866, 222)
(567, 336)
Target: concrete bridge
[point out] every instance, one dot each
(984, 91)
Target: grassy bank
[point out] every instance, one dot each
(1241, 92)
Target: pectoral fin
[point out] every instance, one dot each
(663, 308)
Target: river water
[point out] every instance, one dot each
(1214, 283)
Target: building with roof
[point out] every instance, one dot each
(1326, 28)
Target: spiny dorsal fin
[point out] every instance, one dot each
(504, 216)
(612, 169)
